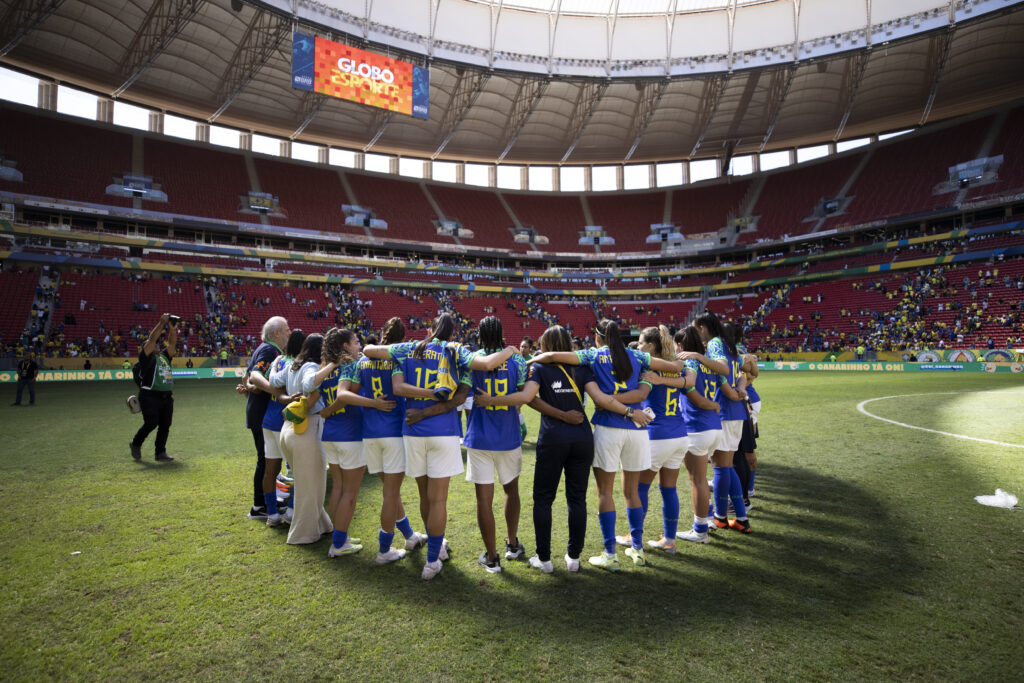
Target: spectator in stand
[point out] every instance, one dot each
(27, 371)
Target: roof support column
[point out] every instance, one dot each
(104, 110)
(47, 98)
(156, 122)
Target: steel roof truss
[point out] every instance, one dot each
(527, 96)
(778, 89)
(309, 106)
(646, 105)
(589, 95)
(20, 18)
(856, 66)
(467, 90)
(166, 18)
(262, 36)
(711, 97)
(938, 57)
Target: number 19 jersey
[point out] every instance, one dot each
(496, 428)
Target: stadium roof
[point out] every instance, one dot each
(781, 87)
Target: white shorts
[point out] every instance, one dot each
(384, 455)
(755, 410)
(272, 445)
(348, 455)
(480, 465)
(732, 430)
(434, 456)
(668, 453)
(703, 444)
(627, 447)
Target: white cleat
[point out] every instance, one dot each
(415, 541)
(392, 555)
(571, 564)
(691, 535)
(431, 569)
(545, 567)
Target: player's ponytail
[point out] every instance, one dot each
(492, 337)
(443, 329)
(393, 331)
(729, 337)
(622, 368)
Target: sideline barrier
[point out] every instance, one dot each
(869, 366)
(122, 375)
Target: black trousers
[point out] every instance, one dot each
(157, 411)
(261, 466)
(739, 460)
(31, 384)
(576, 460)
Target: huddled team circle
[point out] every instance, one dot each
(393, 409)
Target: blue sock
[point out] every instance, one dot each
(700, 524)
(736, 494)
(405, 527)
(434, 547)
(384, 538)
(607, 522)
(670, 511)
(722, 491)
(636, 526)
(339, 538)
(643, 490)
(753, 473)
(270, 500)
(711, 508)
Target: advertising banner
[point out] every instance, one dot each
(798, 366)
(122, 375)
(348, 73)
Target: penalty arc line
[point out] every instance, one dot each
(860, 407)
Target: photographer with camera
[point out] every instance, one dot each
(155, 387)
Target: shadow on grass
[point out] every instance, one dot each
(809, 557)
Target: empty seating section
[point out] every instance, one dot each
(559, 218)
(480, 211)
(899, 178)
(311, 197)
(319, 269)
(63, 159)
(641, 314)
(707, 208)
(18, 289)
(399, 202)
(117, 302)
(632, 284)
(578, 318)
(790, 197)
(393, 304)
(628, 218)
(855, 262)
(198, 181)
(509, 311)
(207, 261)
(1010, 144)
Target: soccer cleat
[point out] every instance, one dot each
(257, 512)
(663, 544)
(571, 564)
(606, 561)
(284, 478)
(639, 557)
(514, 552)
(348, 549)
(626, 541)
(276, 519)
(748, 505)
(283, 488)
(415, 541)
(431, 569)
(718, 522)
(545, 567)
(392, 555)
(741, 525)
(751, 493)
(492, 566)
(163, 457)
(444, 554)
(287, 516)
(136, 450)
(694, 536)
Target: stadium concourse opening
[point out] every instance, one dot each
(423, 248)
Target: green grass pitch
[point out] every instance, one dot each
(869, 559)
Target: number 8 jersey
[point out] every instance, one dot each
(496, 428)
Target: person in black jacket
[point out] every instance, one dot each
(27, 371)
(155, 396)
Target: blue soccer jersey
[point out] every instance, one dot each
(666, 402)
(273, 419)
(496, 428)
(751, 391)
(375, 382)
(600, 362)
(731, 410)
(422, 373)
(698, 420)
(346, 423)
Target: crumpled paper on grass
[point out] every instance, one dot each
(1001, 499)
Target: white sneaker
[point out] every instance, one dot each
(691, 535)
(289, 513)
(443, 555)
(626, 541)
(492, 566)
(751, 493)
(545, 567)
(431, 569)
(392, 555)
(571, 564)
(276, 519)
(415, 541)
(348, 549)
(663, 544)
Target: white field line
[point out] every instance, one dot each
(860, 407)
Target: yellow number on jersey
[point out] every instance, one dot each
(620, 387)
(496, 387)
(426, 379)
(377, 386)
(671, 401)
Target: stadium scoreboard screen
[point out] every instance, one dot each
(348, 73)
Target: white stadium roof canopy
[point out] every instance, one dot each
(546, 81)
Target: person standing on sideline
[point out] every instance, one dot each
(155, 390)
(27, 371)
(275, 339)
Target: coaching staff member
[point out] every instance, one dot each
(27, 370)
(155, 388)
(275, 339)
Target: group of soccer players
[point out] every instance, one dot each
(392, 409)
